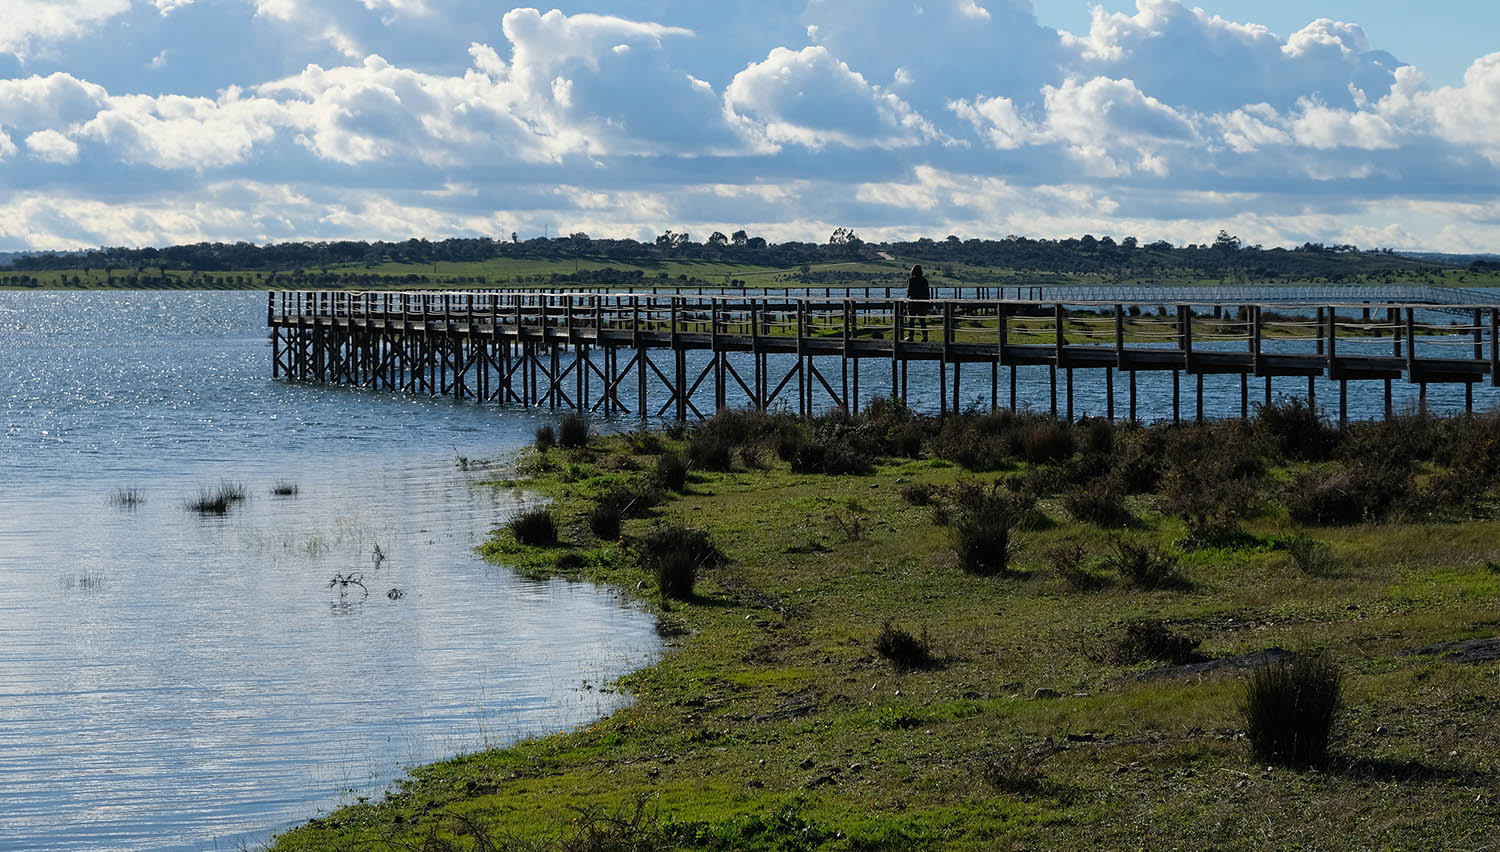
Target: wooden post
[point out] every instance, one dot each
(1052, 377)
(1411, 352)
(1070, 394)
(1478, 336)
(898, 333)
(1132, 396)
(679, 360)
(1495, 347)
(640, 363)
(1109, 394)
(1176, 409)
(1199, 414)
(1255, 333)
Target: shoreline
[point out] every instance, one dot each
(774, 717)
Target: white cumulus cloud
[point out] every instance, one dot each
(52, 147)
(29, 26)
(810, 98)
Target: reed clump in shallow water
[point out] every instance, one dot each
(217, 501)
(127, 498)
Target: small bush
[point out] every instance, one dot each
(898, 718)
(605, 519)
(919, 493)
(976, 442)
(1068, 561)
(633, 499)
(1367, 491)
(573, 431)
(1101, 502)
(1312, 557)
(534, 528)
(983, 544)
(546, 438)
(1152, 639)
(284, 488)
(711, 449)
(673, 555)
(672, 471)
(1289, 708)
(643, 442)
(1293, 428)
(1146, 566)
(905, 651)
(1012, 772)
(1046, 440)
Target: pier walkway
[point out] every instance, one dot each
(684, 355)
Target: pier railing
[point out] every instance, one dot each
(481, 344)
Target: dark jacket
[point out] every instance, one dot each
(918, 291)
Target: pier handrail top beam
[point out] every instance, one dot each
(839, 301)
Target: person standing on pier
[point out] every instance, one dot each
(917, 293)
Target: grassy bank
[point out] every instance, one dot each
(853, 674)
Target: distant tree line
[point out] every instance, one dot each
(1225, 257)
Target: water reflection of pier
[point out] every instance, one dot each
(682, 355)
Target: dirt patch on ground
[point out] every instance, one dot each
(1239, 662)
(1465, 650)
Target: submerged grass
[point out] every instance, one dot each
(783, 716)
(217, 501)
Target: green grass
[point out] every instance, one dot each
(772, 723)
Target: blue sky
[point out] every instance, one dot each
(147, 122)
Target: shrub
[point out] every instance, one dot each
(1044, 440)
(674, 555)
(1146, 566)
(982, 520)
(1312, 557)
(1012, 772)
(1098, 436)
(643, 442)
(1068, 562)
(976, 442)
(1138, 459)
(711, 449)
(1152, 639)
(1293, 428)
(633, 499)
(546, 437)
(573, 431)
(1368, 491)
(605, 519)
(905, 651)
(1101, 502)
(919, 493)
(534, 527)
(284, 488)
(893, 718)
(1459, 490)
(672, 471)
(1289, 708)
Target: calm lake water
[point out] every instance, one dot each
(177, 682)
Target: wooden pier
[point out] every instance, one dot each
(650, 355)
